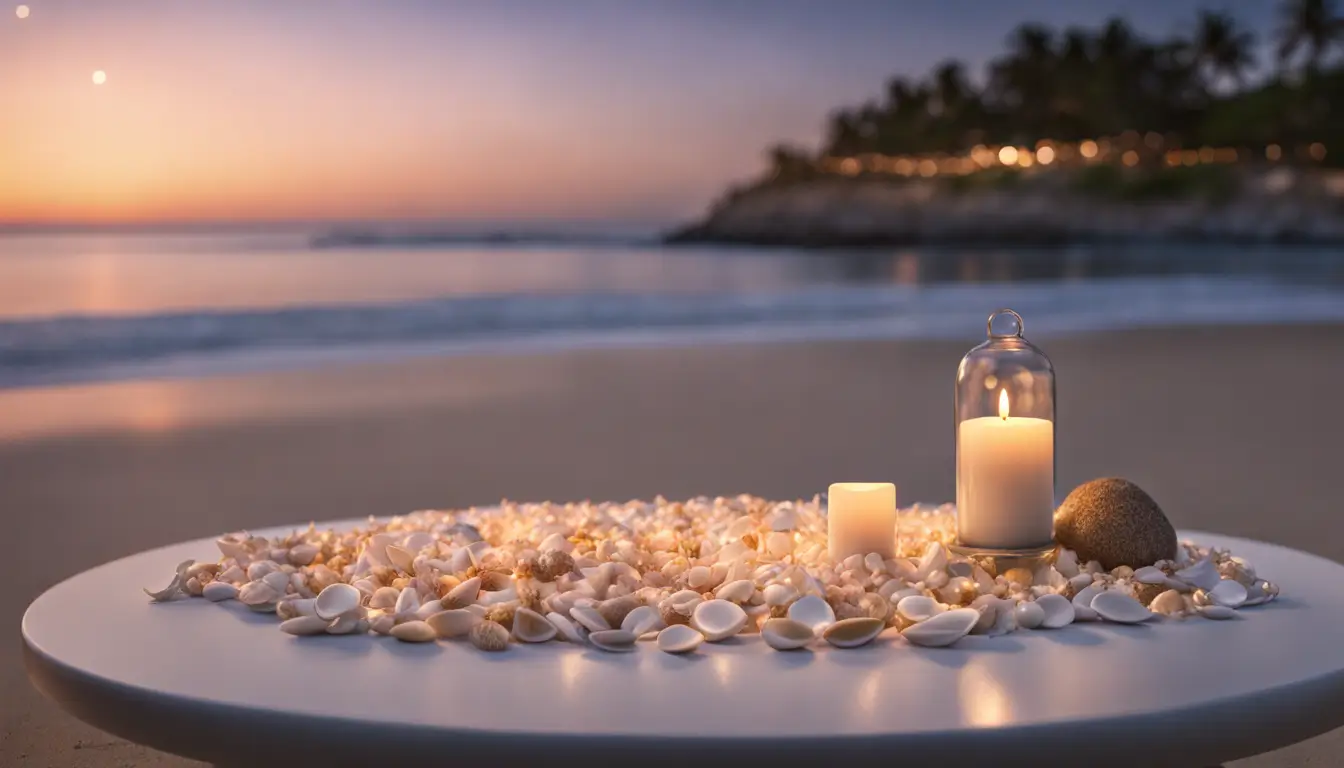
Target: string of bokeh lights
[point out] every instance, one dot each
(23, 12)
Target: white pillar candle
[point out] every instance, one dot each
(861, 518)
(1005, 480)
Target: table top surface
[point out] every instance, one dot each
(98, 646)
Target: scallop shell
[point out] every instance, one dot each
(779, 594)
(304, 626)
(718, 619)
(614, 640)
(679, 638)
(812, 611)
(739, 591)
(589, 618)
(336, 601)
(413, 632)
(218, 591)
(531, 627)
(454, 622)
(463, 594)
(918, 608)
(1228, 593)
(1217, 612)
(1059, 612)
(786, 634)
(565, 627)
(1029, 615)
(944, 629)
(1120, 608)
(643, 619)
(1203, 574)
(489, 636)
(852, 633)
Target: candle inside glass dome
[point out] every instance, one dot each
(1005, 479)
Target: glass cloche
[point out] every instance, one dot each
(1005, 432)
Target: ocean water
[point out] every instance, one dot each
(77, 308)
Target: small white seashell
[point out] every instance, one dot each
(451, 622)
(431, 608)
(1029, 615)
(589, 618)
(1059, 612)
(1081, 581)
(565, 627)
(556, 542)
(1217, 612)
(812, 611)
(303, 554)
(934, 560)
(679, 638)
(779, 543)
(895, 593)
(615, 640)
(233, 574)
(852, 633)
(261, 569)
(643, 619)
(304, 625)
(382, 625)
(414, 632)
(257, 593)
(349, 624)
(1082, 603)
(1228, 593)
(218, 591)
(779, 594)
(506, 595)
(943, 629)
(463, 594)
(787, 634)
(718, 619)
(277, 580)
(400, 559)
(784, 520)
(1169, 603)
(698, 577)
(1120, 608)
(384, 597)
(336, 601)
(739, 591)
(1203, 574)
(531, 627)
(918, 608)
(1066, 562)
(1150, 575)
(414, 542)
(407, 602)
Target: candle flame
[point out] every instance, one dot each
(1003, 404)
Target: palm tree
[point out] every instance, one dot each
(1309, 24)
(1221, 48)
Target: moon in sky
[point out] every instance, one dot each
(21, 11)
(99, 77)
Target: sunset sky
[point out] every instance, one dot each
(609, 111)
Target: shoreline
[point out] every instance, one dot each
(1045, 209)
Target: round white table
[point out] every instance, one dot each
(218, 683)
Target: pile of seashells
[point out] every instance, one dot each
(682, 573)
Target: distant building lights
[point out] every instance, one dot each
(1008, 155)
(1088, 149)
(1130, 158)
(1273, 152)
(1045, 155)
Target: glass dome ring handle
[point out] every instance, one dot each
(989, 324)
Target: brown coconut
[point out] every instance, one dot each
(1114, 522)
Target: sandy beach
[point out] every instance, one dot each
(1230, 429)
